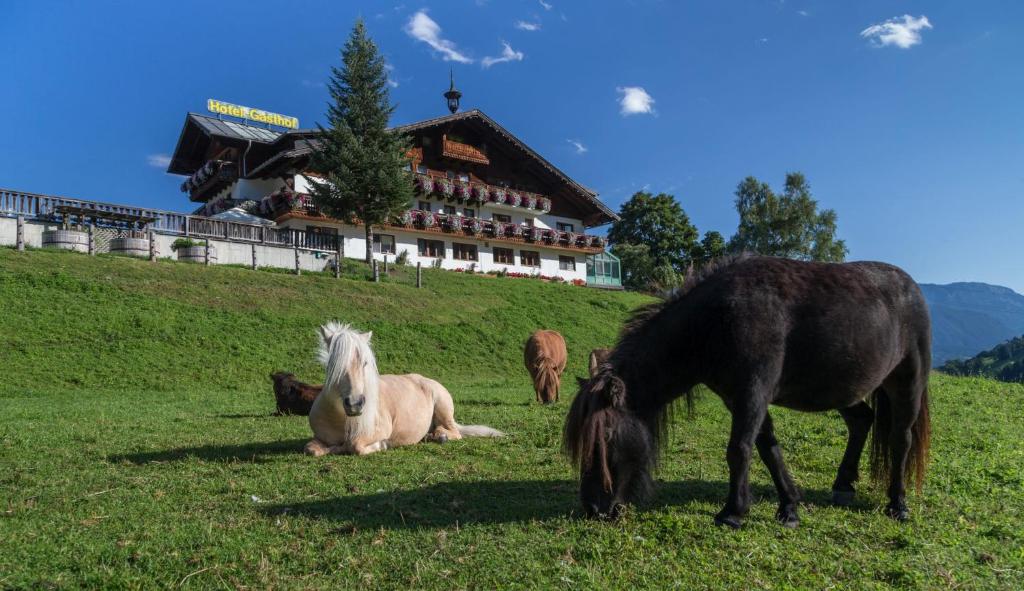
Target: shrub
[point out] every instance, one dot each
(186, 243)
(402, 258)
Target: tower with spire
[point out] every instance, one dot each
(453, 95)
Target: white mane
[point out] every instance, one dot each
(346, 356)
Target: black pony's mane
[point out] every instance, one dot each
(641, 316)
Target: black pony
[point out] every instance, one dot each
(759, 331)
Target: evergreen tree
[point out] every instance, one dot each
(787, 225)
(711, 246)
(359, 164)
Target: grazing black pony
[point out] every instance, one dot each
(758, 331)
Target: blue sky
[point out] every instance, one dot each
(906, 116)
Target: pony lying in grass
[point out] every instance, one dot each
(293, 397)
(545, 357)
(361, 412)
(758, 331)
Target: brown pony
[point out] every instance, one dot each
(597, 357)
(293, 397)
(545, 358)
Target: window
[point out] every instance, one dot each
(320, 237)
(383, 244)
(500, 217)
(421, 169)
(463, 177)
(425, 205)
(464, 252)
(431, 248)
(469, 212)
(450, 210)
(504, 256)
(566, 263)
(528, 222)
(450, 174)
(529, 258)
(563, 227)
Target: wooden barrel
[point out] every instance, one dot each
(195, 254)
(134, 247)
(75, 240)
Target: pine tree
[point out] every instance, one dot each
(359, 165)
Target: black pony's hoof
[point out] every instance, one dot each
(842, 498)
(898, 512)
(731, 521)
(442, 438)
(788, 517)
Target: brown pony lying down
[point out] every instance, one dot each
(293, 397)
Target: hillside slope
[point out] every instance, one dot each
(71, 320)
(1004, 362)
(138, 451)
(971, 317)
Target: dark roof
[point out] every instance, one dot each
(199, 131)
(477, 114)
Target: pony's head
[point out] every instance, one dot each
(351, 368)
(612, 447)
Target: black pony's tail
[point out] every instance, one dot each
(920, 442)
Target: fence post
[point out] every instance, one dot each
(254, 256)
(186, 226)
(376, 272)
(339, 250)
(152, 247)
(419, 274)
(92, 239)
(298, 271)
(206, 253)
(21, 232)
(385, 264)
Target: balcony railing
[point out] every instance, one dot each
(481, 228)
(457, 191)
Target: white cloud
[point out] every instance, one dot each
(545, 5)
(803, 13)
(902, 31)
(158, 160)
(635, 101)
(391, 81)
(580, 148)
(423, 28)
(507, 55)
(525, 26)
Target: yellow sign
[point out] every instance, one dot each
(221, 108)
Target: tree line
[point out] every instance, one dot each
(658, 245)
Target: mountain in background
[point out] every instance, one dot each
(1003, 362)
(971, 317)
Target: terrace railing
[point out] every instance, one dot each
(33, 205)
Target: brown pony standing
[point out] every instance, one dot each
(545, 358)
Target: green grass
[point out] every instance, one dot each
(137, 450)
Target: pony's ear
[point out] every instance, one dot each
(325, 336)
(367, 335)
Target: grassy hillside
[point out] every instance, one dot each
(137, 451)
(970, 317)
(1004, 362)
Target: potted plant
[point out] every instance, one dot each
(192, 251)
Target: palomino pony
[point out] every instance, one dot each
(759, 331)
(361, 412)
(545, 357)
